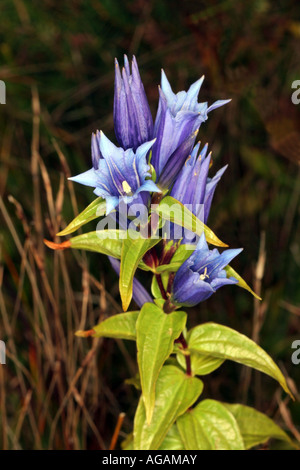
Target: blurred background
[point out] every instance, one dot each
(58, 391)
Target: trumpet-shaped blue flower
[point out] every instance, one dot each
(178, 116)
(177, 159)
(193, 186)
(195, 189)
(117, 174)
(202, 274)
(133, 122)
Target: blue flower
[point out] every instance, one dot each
(202, 274)
(117, 174)
(193, 187)
(178, 116)
(132, 116)
(177, 159)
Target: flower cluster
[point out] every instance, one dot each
(160, 156)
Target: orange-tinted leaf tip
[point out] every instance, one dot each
(84, 334)
(57, 246)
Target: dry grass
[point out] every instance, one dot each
(54, 379)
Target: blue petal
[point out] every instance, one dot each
(192, 94)
(143, 149)
(88, 178)
(106, 146)
(166, 88)
(220, 282)
(221, 261)
(176, 161)
(217, 104)
(150, 186)
(192, 290)
(111, 203)
(202, 243)
(210, 190)
(96, 152)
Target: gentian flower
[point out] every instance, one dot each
(117, 174)
(139, 293)
(178, 116)
(195, 190)
(202, 274)
(133, 122)
(193, 186)
(177, 159)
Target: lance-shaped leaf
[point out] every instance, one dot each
(121, 326)
(232, 273)
(167, 268)
(174, 211)
(175, 393)
(96, 209)
(210, 426)
(256, 428)
(225, 343)
(108, 242)
(133, 250)
(155, 335)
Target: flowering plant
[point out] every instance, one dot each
(154, 197)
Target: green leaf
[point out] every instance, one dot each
(210, 426)
(133, 250)
(175, 393)
(155, 290)
(256, 428)
(174, 211)
(121, 326)
(172, 441)
(127, 444)
(220, 341)
(172, 267)
(200, 364)
(96, 209)
(155, 335)
(160, 303)
(108, 242)
(182, 253)
(232, 273)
